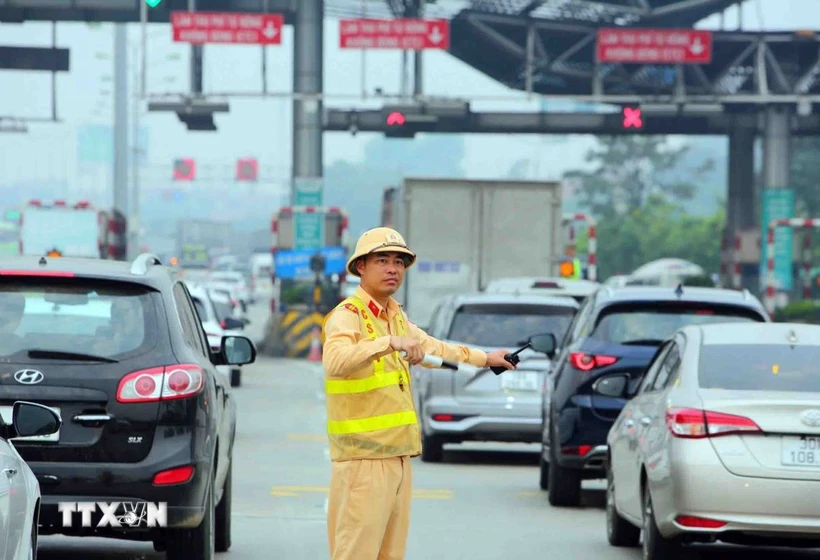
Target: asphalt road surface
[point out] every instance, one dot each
(482, 503)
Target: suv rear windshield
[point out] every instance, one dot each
(102, 319)
(507, 326)
(759, 367)
(653, 323)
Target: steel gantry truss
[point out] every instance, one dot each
(552, 58)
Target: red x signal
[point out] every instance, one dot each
(632, 117)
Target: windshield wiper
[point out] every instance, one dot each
(643, 342)
(41, 354)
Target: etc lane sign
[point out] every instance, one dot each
(654, 46)
(227, 28)
(309, 230)
(402, 34)
(308, 191)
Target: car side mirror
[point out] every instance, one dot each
(544, 343)
(237, 351)
(615, 386)
(30, 419)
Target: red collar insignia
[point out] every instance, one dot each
(373, 308)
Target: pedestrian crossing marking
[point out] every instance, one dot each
(296, 491)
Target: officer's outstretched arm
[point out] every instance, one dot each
(449, 352)
(346, 350)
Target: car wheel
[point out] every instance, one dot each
(619, 531)
(197, 543)
(223, 516)
(564, 489)
(544, 469)
(655, 545)
(236, 377)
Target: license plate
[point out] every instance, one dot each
(5, 413)
(801, 451)
(519, 380)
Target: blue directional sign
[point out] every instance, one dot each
(295, 263)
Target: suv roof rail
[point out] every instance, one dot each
(142, 262)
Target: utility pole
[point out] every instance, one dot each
(136, 152)
(196, 61)
(120, 166)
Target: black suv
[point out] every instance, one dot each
(117, 349)
(617, 330)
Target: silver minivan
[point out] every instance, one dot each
(453, 406)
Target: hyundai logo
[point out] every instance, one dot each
(28, 376)
(811, 417)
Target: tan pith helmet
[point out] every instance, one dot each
(379, 240)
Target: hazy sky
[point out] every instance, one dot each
(261, 128)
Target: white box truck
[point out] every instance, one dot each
(467, 233)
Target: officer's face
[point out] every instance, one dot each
(382, 273)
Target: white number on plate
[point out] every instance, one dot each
(519, 380)
(801, 451)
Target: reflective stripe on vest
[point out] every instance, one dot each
(379, 380)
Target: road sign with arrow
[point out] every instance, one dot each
(654, 46)
(402, 34)
(232, 28)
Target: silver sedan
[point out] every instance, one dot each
(721, 441)
(19, 489)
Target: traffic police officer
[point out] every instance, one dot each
(372, 426)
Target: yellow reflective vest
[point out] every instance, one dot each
(370, 413)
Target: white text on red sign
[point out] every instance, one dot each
(210, 27)
(654, 46)
(406, 34)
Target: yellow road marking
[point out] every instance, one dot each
(295, 491)
(308, 437)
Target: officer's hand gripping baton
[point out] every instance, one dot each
(436, 362)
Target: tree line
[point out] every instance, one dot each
(638, 187)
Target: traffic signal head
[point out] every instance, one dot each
(632, 118)
(184, 169)
(247, 169)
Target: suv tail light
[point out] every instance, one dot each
(161, 383)
(691, 423)
(588, 362)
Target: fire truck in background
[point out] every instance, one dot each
(78, 230)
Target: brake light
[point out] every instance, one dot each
(578, 451)
(223, 324)
(691, 423)
(588, 362)
(163, 383)
(443, 417)
(179, 475)
(693, 522)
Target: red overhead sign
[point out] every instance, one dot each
(404, 34)
(654, 46)
(234, 28)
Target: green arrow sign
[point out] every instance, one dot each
(309, 230)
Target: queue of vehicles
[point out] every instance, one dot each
(700, 413)
(132, 412)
